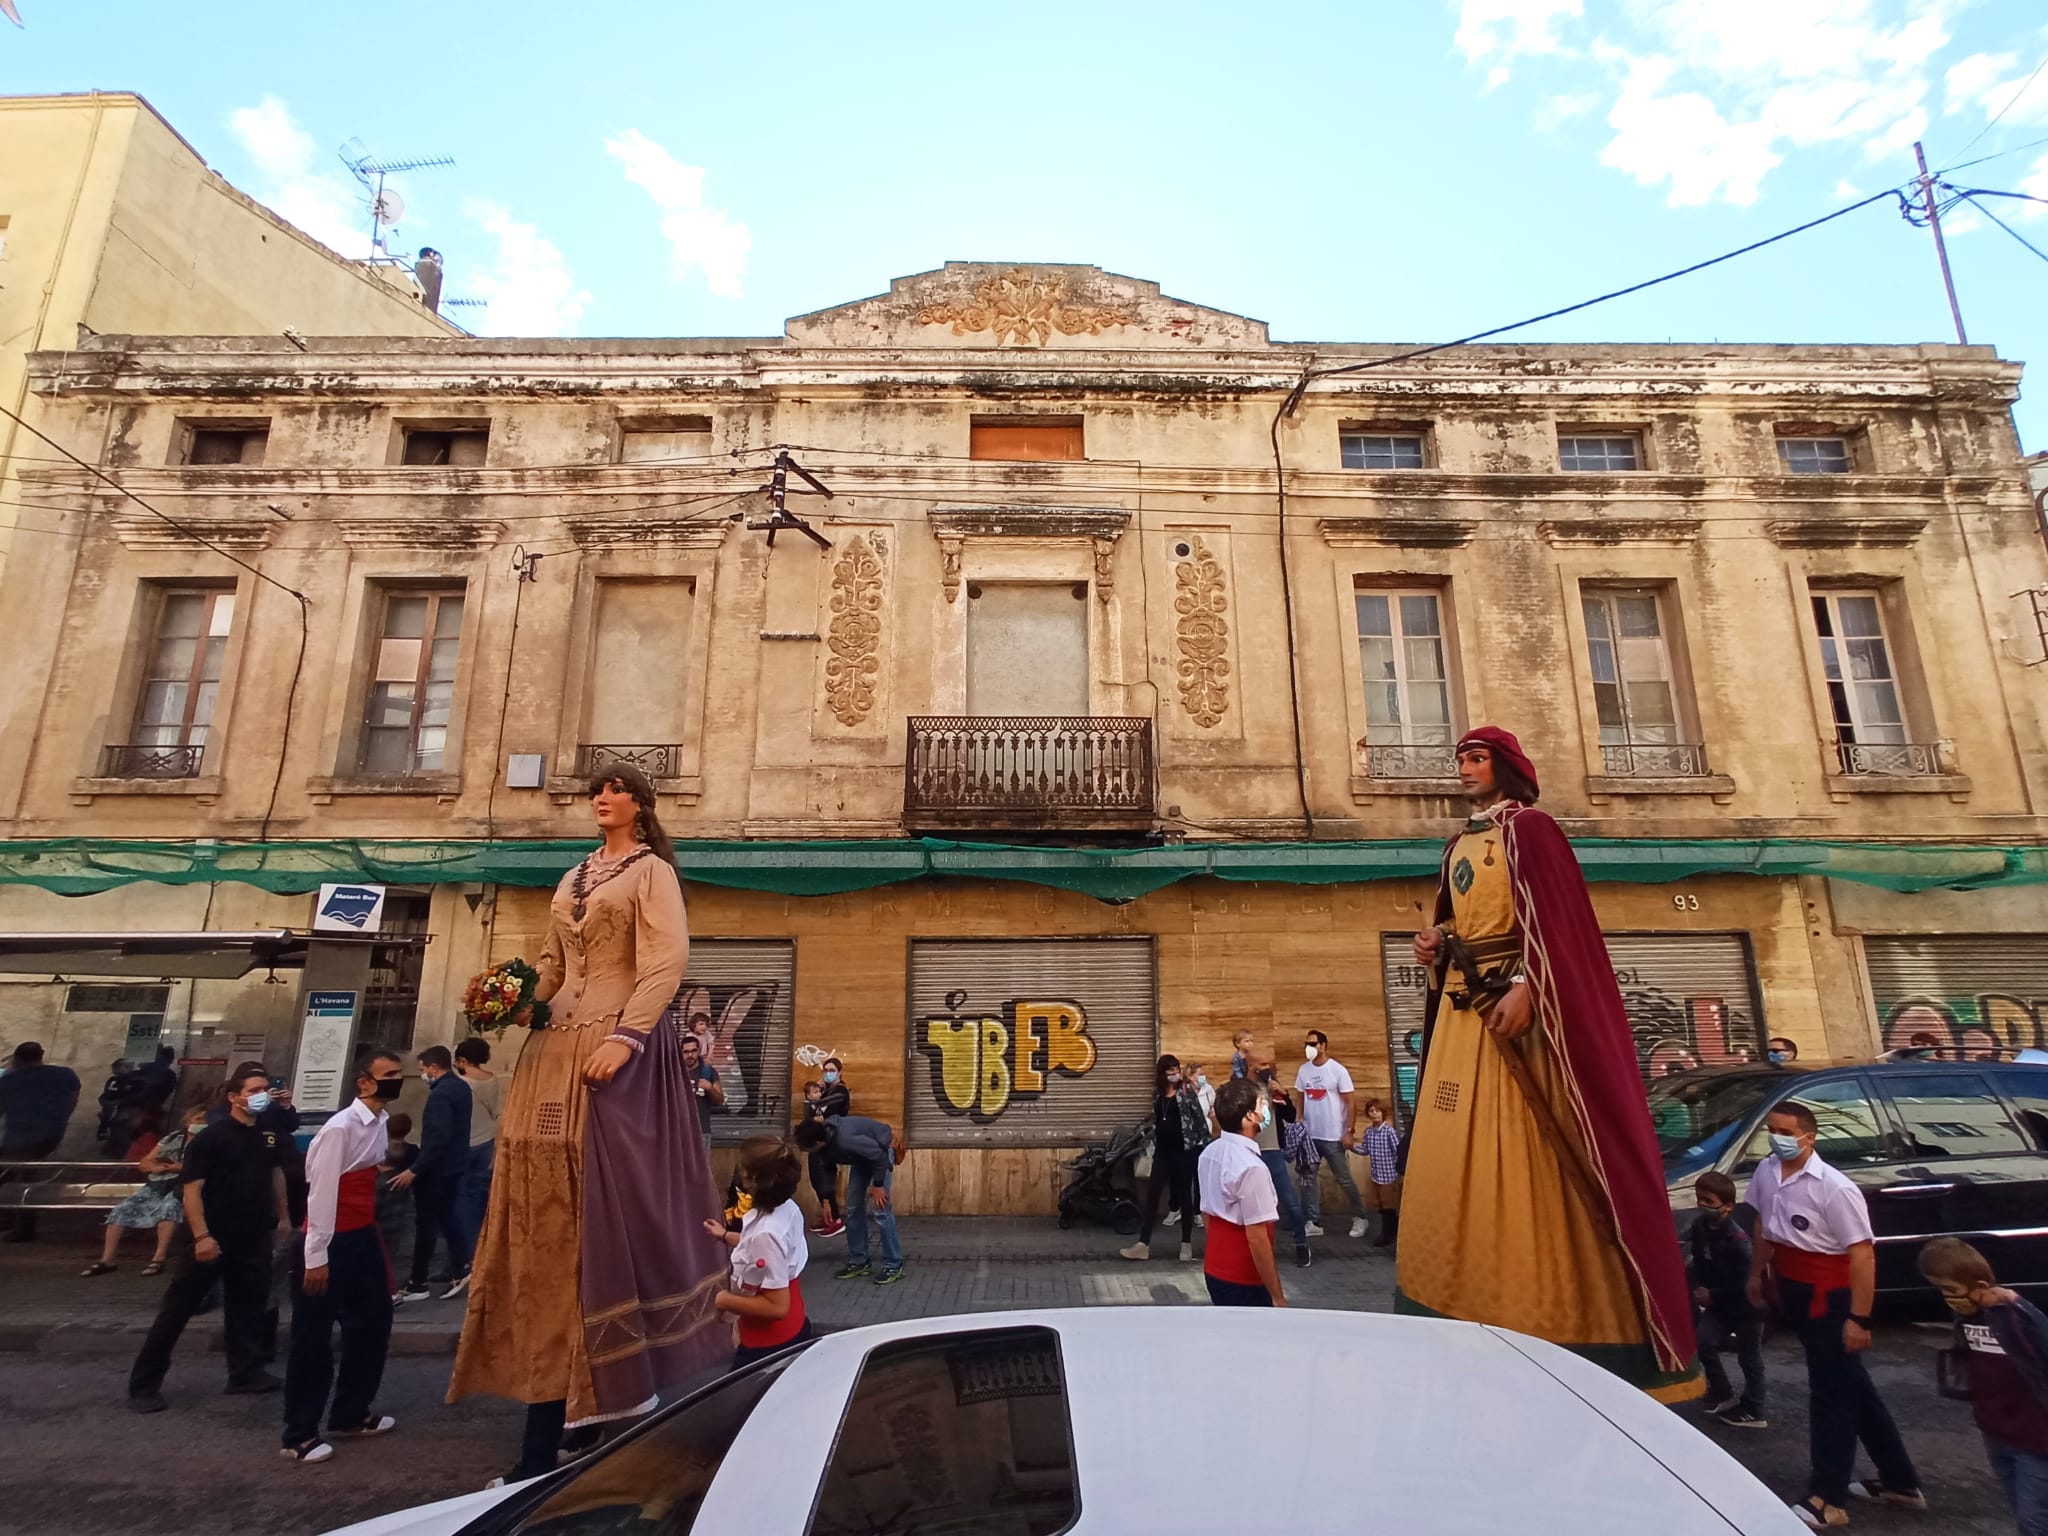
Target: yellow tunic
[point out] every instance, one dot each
(1490, 1230)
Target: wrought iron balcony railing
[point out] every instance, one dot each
(1028, 771)
(142, 761)
(662, 761)
(1644, 760)
(1397, 761)
(1893, 759)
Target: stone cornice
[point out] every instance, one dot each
(1847, 532)
(139, 530)
(620, 532)
(1395, 532)
(414, 533)
(1029, 520)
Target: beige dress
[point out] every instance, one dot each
(615, 970)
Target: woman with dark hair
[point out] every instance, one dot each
(594, 1288)
(1180, 1129)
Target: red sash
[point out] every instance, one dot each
(355, 1201)
(1229, 1252)
(756, 1333)
(1823, 1271)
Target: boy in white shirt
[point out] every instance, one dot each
(1242, 1206)
(769, 1252)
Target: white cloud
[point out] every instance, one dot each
(1974, 80)
(1681, 137)
(1556, 111)
(528, 285)
(1512, 27)
(297, 182)
(700, 238)
(2035, 184)
(1847, 190)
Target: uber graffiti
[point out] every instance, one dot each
(983, 1062)
(1970, 1027)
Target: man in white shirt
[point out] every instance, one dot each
(1239, 1199)
(1325, 1089)
(1813, 1241)
(342, 1274)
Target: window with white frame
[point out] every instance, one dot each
(412, 684)
(181, 673)
(1816, 455)
(1857, 661)
(1635, 685)
(1381, 450)
(1599, 452)
(1404, 662)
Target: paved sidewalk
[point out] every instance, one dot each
(952, 1264)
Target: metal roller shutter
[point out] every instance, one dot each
(1029, 1042)
(1692, 999)
(748, 986)
(1970, 994)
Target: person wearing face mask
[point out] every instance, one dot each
(1270, 1141)
(1179, 1130)
(1782, 1052)
(2001, 1355)
(1814, 1244)
(341, 1274)
(1241, 1202)
(438, 1173)
(232, 1184)
(1325, 1089)
(1717, 1268)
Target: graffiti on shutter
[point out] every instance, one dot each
(1960, 996)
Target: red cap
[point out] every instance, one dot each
(1504, 748)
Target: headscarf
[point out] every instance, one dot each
(1504, 748)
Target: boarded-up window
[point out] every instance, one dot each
(676, 438)
(1054, 437)
(1027, 649)
(456, 447)
(637, 668)
(237, 444)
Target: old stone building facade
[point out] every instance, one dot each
(1110, 714)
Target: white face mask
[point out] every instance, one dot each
(1309, 1051)
(1785, 1148)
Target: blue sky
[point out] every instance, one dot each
(1402, 170)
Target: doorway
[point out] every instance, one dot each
(1027, 648)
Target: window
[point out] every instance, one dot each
(1038, 438)
(1951, 1114)
(958, 1432)
(412, 687)
(1857, 663)
(2027, 1087)
(1850, 1132)
(1816, 455)
(1402, 659)
(181, 675)
(1381, 450)
(227, 443)
(678, 438)
(1600, 454)
(1634, 684)
(457, 447)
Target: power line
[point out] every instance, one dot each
(2023, 240)
(2015, 101)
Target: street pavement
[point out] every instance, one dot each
(74, 1462)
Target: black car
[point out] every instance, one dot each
(1939, 1148)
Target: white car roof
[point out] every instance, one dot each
(1208, 1419)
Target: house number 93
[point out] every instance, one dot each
(1685, 903)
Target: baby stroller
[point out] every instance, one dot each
(1099, 1182)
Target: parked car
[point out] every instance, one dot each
(1939, 1148)
(1110, 1420)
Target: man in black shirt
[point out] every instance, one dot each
(233, 1187)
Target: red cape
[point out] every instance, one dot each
(1571, 980)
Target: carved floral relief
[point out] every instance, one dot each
(854, 636)
(1202, 635)
(1021, 308)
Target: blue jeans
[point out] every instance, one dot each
(1340, 1168)
(2024, 1477)
(1290, 1197)
(860, 1175)
(475, 1198)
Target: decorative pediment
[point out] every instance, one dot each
(141, 531)
(983, 304)
(617, 531)
(416, 533)
(1098, 526)
(1847, 532)
(1619, 530)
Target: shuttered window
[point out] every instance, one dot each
(1030, 1042)
(1692, 1000)
(1969, 995)
(744, 992)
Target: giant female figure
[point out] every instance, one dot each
(594, 1280)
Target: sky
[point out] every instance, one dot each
(1382, 171)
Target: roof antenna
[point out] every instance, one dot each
(777, 491)
(386, 206)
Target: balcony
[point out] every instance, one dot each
(1895, 759)
(1646, 760)
(1053, 773)
(151, 762)
(658, 762)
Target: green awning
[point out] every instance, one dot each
(82, 866)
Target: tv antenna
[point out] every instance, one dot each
(777, 491)
(386, 206)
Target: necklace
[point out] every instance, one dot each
(581, 887)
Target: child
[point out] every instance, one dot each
(1717, 1269)
(2002, 1346)
(824, 1177)
(1380, 1146)
(768, 1253)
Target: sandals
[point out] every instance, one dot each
(94, 1269)
(153, 1267)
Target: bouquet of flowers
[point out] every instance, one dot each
(496, 998)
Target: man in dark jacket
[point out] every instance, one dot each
(870, 1150)
(436, 1176)
(36, 1101)
(1717, 1269)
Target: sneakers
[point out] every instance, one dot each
(461, 1284)
(375, 1424)
(1314, 1229)
(1715, 1410)
(1187, 1253)
(1898, 1498)
(890, 1276)
(1139, 1251)
(1173, 1218)
(249, 1386)
(410, 1292)
(1358, 1226)
(831, 1229)
(1739, 1417)
(1819, 1514)
(311, 1451)
(146, 1402)
(850, 1271)
(1301, 1256)
(1202, 1221)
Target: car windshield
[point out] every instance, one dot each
(1697, 1115)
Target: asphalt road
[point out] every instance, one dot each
(74, 1462)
